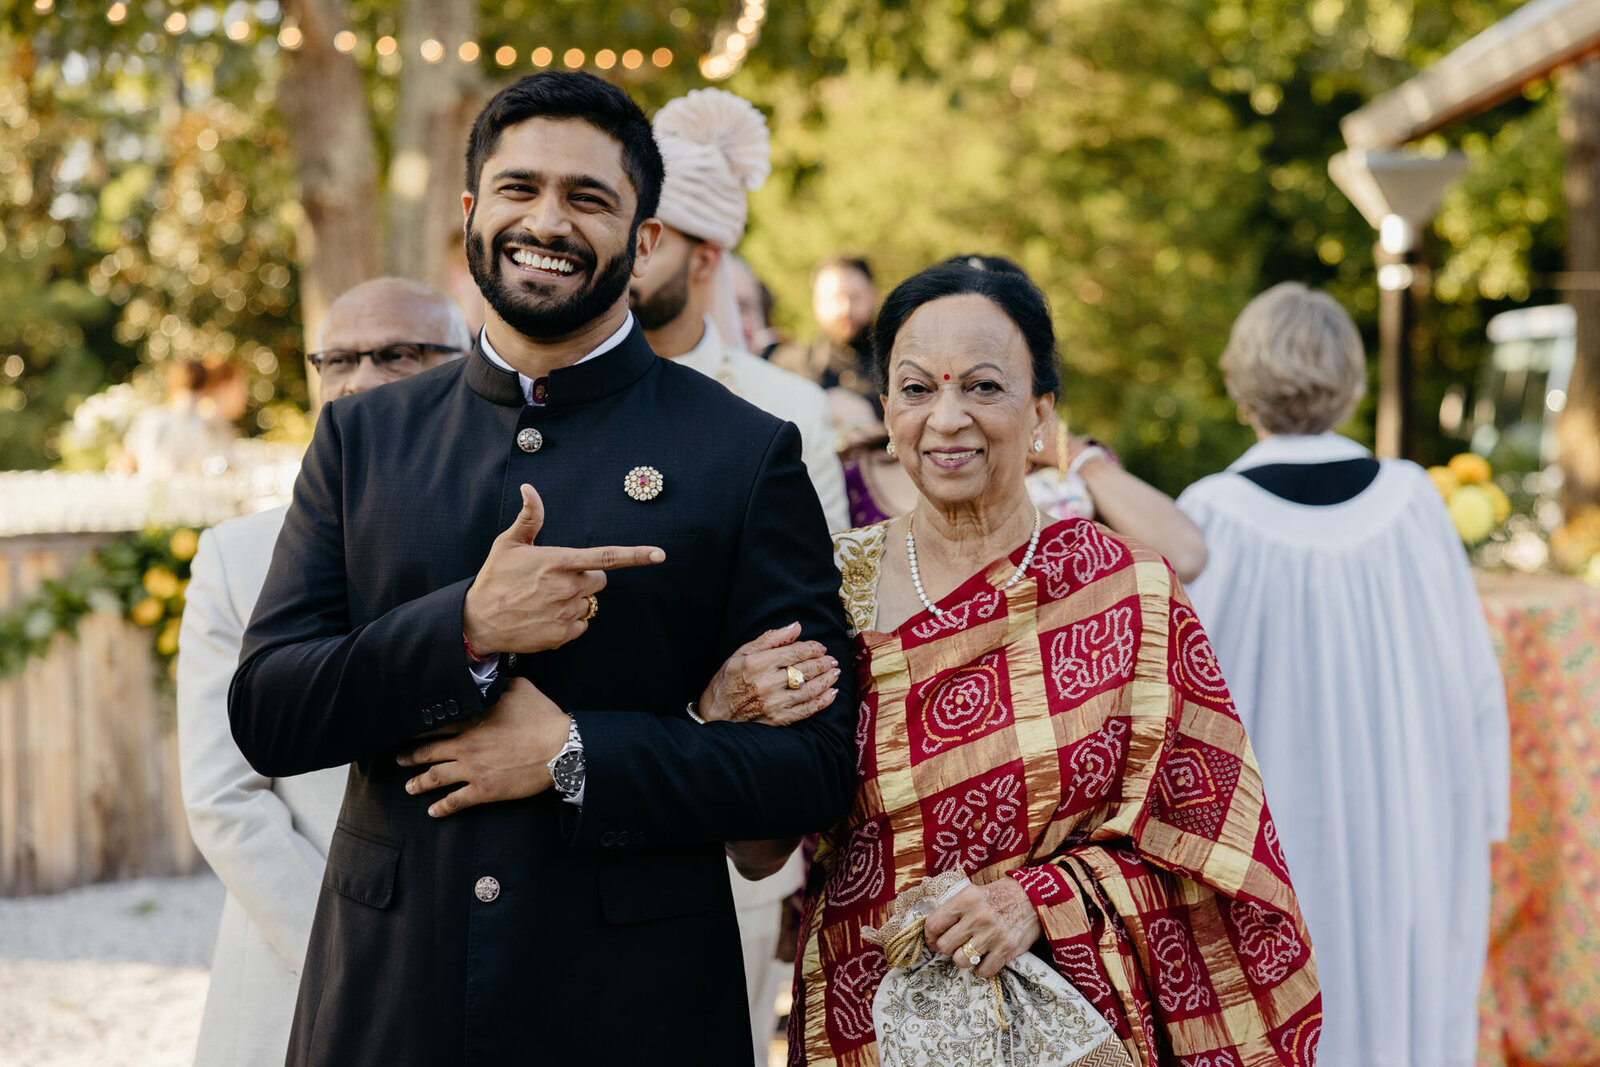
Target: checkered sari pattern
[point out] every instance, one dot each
(1072, 732)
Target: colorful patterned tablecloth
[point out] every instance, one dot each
(1541, 994)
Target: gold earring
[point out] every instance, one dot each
(889, 448)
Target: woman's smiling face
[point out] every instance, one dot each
(960, 406)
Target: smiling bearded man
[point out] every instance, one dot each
(506, 630)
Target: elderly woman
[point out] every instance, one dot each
(1346, 623)
(1071, 475)
(1041, 711)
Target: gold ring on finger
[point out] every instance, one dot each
(594, 607)
(796, 679)
(973, 955)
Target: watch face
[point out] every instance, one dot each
(567, 772)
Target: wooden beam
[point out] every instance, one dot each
(1528, 44)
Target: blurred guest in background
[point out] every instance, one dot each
(843, 297)
(191, 434)
(267, 837)
(1345, 620)
(755, 309)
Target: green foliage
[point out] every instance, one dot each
(150, 216)
(140, 576)
(1153, 166)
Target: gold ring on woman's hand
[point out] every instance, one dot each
(973, 955)
(594, 607)
(796, 679)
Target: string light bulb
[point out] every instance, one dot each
(117, 14)
(720, 63)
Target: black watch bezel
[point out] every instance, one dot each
(567, 771)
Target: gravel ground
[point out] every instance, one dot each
(108, 974)
(114, 974)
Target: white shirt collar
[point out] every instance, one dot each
(526, 382)
(1294, 448)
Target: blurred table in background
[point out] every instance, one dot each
(1541, 995)
(89, 786)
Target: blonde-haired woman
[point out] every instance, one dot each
(1344, 618)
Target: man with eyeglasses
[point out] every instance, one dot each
(267, 838)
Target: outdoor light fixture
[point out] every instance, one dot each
(1397, 192)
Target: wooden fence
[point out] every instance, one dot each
(88, 747)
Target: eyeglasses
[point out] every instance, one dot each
(391, 360)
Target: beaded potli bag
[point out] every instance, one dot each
(928, 1012)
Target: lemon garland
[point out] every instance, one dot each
(140, 576)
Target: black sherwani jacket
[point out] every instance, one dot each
(612, 939)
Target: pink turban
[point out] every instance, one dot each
(716, 150)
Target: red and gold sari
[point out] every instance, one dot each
(1071, 732)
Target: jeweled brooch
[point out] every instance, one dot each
(643, 483)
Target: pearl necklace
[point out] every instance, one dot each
(916, 576)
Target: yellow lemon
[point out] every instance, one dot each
(1501, 502)
(161, 583)
(1444, 481)
(184, 543)
(167, 643)
(147, 612)
(1470, 469)
(1473, 513)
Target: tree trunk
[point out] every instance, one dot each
(1578, 432)
(433, 116)
(324, 107)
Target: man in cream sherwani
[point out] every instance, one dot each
(715, 147)
(266, 838)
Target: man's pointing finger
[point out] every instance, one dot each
(613, 557)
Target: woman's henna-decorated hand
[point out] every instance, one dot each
(998, 918)
(753, 686)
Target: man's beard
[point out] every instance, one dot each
(534, 316)
(665, 304)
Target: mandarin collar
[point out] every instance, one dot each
(605, 374)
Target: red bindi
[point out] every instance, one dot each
(947, 377)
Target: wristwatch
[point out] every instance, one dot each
(567, 769)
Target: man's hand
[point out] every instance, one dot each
(531, 598)
(502, 756)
